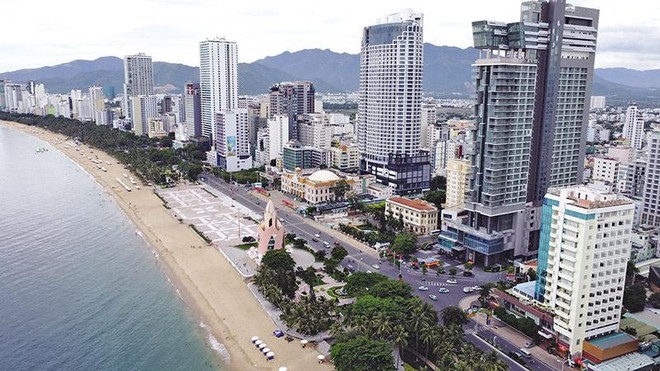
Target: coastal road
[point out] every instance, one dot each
(532, 364)
(358, 259)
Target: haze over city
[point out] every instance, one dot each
(170, 31)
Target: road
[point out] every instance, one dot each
(507, 347)
(363, 261)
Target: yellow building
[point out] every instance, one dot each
(418, 216)
(319, 187)
(458, 182)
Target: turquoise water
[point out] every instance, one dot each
(79, 289)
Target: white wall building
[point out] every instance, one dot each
(232, 140)
(278, 135)
(143, 107)
(218, 80)
(584, 249)
(138, 78)
(458, 182)
(633, 127)
(606, 169)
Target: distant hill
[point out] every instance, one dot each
(447, 70)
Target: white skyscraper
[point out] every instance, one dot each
(232, 140)
(218, 80)
(138, 78)
(144, 107)
(633, 127)
(584, 249)
(651, 209)
(390, 102)
(278, 135)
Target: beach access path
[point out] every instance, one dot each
(206, 281)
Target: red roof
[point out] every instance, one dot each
(414, 204)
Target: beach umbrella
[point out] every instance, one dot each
(320, 357)
(303, 342)
(284, 368)
(258, 342)
(255, 338)
(270, 355)
(262, 345)
(265, 350)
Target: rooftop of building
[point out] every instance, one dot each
(612, 340)
(649, 317)
(416, 204)
(630, 361)
(590, 196)
(527, 288)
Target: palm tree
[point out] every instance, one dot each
(400, 340)
(454, 316)
(490, 362)
(428, 333)
(484, 293)
(383, 326)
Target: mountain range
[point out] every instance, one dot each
(447, 72)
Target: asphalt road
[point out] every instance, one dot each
(361, 261)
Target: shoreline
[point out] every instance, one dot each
(214, 292)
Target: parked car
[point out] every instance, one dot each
(443, 290)
(423, 288)
(278, 333)
(452, 281)
(376, 266)
(468, 274)
(433, 297)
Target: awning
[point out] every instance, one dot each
(458, 248)
(544, 335)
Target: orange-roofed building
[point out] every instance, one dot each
(418, 216)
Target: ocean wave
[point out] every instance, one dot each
(217, 346)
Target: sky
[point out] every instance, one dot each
(41, 33)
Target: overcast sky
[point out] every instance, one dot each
(43, 33)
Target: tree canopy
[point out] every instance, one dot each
(634, 298)
(405, 243)
(362, 354)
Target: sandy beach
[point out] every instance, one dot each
(207, 282)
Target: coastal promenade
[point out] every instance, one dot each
(205, 280)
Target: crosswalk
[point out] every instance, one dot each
(431, 283)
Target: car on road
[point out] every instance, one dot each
(376, 266)
(326, 244)
(423, 288)
(468, 289)
(368, 271)
(317, 235)
(433, 297)
(443, 290)
(452, 281)
(476, 288)
(468, 274)
(315, 239)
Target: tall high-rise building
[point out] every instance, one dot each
(390, 102)
(651, 208)
(138, 78)
(541, 68)
(633, 127)
(218, 80)
(292, 99)
(193, 109)
(585, 247)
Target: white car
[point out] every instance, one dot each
(423, 288)
(317, 235)
(476, 288)
(452, 281)
(376, 266)
(468, 289)
(443, 290)
(433, 297)
(368, 271)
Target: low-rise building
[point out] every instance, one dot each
(345, 157)
(418, 216)
(316, 188)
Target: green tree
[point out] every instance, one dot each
(279, 267)
(631, 272)
(531, 273)
(405, 244)
(340, 189)
(452, 271)
(436, 197)
(299, 243)
(438, 183)
(453, 316)
(424, 269)
(634, 298)
(468, 266)
(391, 288)
(289, 238)
(362, 354)
(654, 300)
(484, 293)
(338, 253)
(359, 282)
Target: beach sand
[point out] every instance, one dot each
(207, 282)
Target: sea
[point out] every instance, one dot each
(79, 287)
